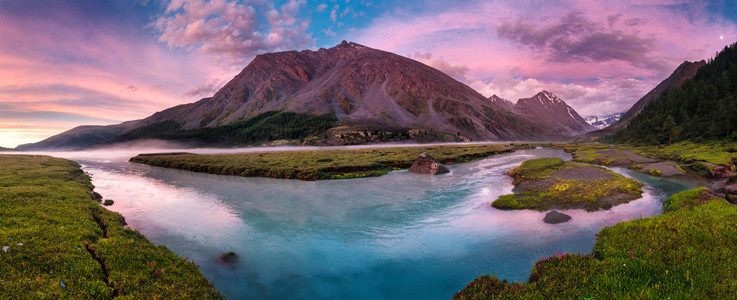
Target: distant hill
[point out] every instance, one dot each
(683, 72)
(701, 108)
(371, 94)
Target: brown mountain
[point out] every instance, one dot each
(549, 111)
(361, 86)
(501, 102)
(685, 71)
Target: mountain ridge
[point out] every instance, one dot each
(363, 87)
(683, 72)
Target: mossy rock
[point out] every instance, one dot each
(653, 172)
(108, 202)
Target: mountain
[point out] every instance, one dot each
(366, 90)
(603, 121)
(683, 72)
(80, 137)
(703, 107)
(548, 110)
(502, 103)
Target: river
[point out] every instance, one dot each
(398, 236)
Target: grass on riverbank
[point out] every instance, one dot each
(686, 152)
(685, 253)
(61, 244)
(322, 164)
(552, 183)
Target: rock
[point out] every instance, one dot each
(732, 199)
(108, 202)
(96, 196)
(554, 217)
(228, 258)
(720, 171)
(730, 189)
(426, 164)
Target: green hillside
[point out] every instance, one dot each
(702, 109)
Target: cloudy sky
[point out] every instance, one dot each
(66, 63)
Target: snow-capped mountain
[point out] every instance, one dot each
(603, 121)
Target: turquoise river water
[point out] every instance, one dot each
(398, 236)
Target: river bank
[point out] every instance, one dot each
(59, 242)
(685, 252)
(323, 164)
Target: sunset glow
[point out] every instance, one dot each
(71, 63)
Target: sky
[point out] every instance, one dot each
(67, 63)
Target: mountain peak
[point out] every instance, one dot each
(346, 44)
(550, 96)
(547, 108)
(501, 102)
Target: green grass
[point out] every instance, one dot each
(685, 253)
(47, 205)
(587, 153)
(322, 164)
(536, 169)
(547, 190)
(688, 152)
(687, 199)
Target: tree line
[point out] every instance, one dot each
(703, 108)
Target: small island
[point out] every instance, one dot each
(551, 183)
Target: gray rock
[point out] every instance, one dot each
(228, 258)
(426, 164)
(554, 217)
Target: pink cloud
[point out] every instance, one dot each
(582, 50)
(233, 29)
(88, 70)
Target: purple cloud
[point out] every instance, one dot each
(576, 38)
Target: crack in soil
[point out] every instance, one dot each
(93, 253)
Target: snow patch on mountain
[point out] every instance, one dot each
(604, 121)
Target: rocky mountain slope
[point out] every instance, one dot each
(365, 88)
(683, 72)
(548, 111)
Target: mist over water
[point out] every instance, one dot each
(398, 236)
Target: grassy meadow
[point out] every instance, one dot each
(323, 164)
(59, 243)
(686, 253)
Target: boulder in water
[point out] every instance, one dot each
(426, 164)
(228, 258)
(554, 217)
